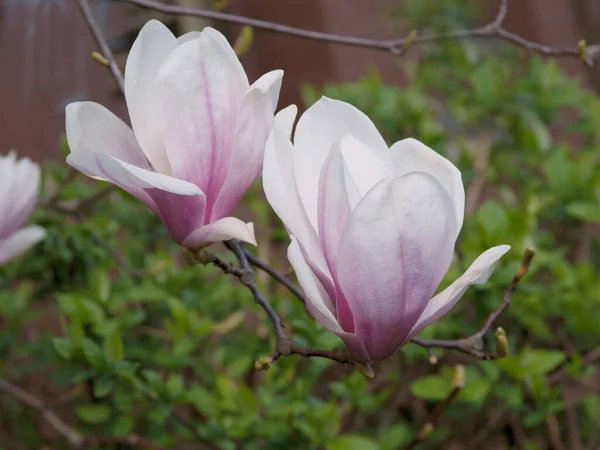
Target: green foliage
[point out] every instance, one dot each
(126, 339)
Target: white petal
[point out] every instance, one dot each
(364, 168)
(280, 189)
(126, 174)
(201, 91)
(92, 127)
(18, 242)
(187, 37)
(478, 273)
(318, 302)
(284, 120)
(19, 192)
(151, 48)
(221, 230)
(393, 254)
(410, 155)
(254, 123)
(326, 122)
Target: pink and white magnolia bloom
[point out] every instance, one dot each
(199, 131)
(19, 192)
(373, 228)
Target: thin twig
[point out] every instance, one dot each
(86, 11)
(395, 46)
(72, 436)
(473, 345)
(433, 418)
(75, 439)
(276, 275)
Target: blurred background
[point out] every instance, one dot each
(106, 325)
(45, 50)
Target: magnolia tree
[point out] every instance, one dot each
(371, 231)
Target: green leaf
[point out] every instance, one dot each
(103, 386)
(63, 346)
(175, 385)
(396, 436)
(589, 212)
(93, 413)
(352, 442)
(93, 353)
(540, 361)
(433, 387)
(113, 347)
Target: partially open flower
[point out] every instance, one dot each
(199, 130)
(19, 191)
(373, 228)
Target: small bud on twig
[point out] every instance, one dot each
(100, 59)
(263, 363)
(458, 382)
(364, 369)
(501, 343)
(425, 431)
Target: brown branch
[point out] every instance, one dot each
(75, 439)
(88, 16)
(276, 275)
(494, 29)
(433, 418)
(473, 345)
(72, 436)
(284, 344)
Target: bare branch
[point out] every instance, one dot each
(435, 415)
(398, 46)
(72, 436)
(86, 11)
(276, 275)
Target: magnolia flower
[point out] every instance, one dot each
(19, 191)
(373, 228)
(199, 131)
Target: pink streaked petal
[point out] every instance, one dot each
(92, 127)
(334, 211)
(149, 51)
(180, 205)
(319, 303)
(410, 155)
(19, 192)
(478, 273)
(254, 124)
(19, 242)
(201, 93)
(393, 254)
(222, 230)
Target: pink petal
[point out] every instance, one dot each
(180, 205)
(319, 303)
(478, 273)
(221, 230)
(393, 254)
(254, 124)
(202, 86)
